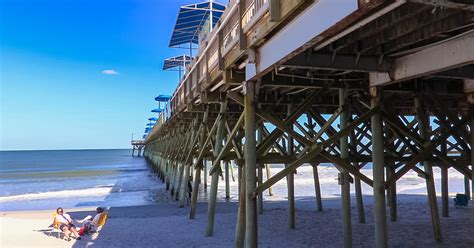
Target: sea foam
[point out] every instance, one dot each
(58, 194)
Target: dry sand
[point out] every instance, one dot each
(165, 225)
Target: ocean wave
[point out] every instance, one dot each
(59, 194)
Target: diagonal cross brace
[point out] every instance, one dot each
(227, 144)
(313, 151)
(429, 147)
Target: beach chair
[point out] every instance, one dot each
(461, 200)
(55, 227)
(103, 218)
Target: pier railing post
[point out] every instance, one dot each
(380, 218)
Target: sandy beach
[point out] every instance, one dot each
(166, 225)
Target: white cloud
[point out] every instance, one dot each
(110, 72)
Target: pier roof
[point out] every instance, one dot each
(191, 19)
(162, 98)
(178, 61)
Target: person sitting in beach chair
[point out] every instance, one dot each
(63, 222)
(461, 200)
(90, 224)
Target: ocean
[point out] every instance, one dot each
(36, 180)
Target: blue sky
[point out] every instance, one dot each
(54, 94)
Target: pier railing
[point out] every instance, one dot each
(221, 47)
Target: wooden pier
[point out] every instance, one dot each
(139, 146)
(386, 82)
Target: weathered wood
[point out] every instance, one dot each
(317, 187)
(378, 164)
(240, 229)
(357, 183)
(424, 127)
(197, 175)
(317, 149)
(227, 144)
(472, 152)
(211, 212)
(267, 169)
(290, 180)
(260, 175)
(204, 172)
(227, 180)
(444, 191)
(251, 234)
(344, 174)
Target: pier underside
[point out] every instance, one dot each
(389, 85)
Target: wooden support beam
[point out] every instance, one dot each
(317, 187)
(316, 149)
(211, 212)
(267, 169)
(339, 62)
(344, 174)
(344, 164)
(431, 60)
(227, 144)
(424, 128)
(357, 183)
(451, 4)
(290, 179)
(197, 175)
(277, 132)
(251, 233)
(227, 179)
(444, 191)
(240, 228)
(260, 174)
(380, 218)
(396, 124)
(472, 150)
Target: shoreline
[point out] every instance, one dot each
(166, 225)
